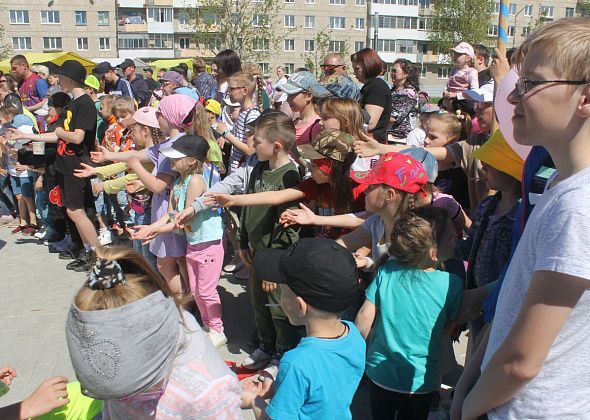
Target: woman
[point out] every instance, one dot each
(375, 94)
(406, 84)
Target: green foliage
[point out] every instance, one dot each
(454, 21)
(245, 26)
(322, 40)
(583, 8)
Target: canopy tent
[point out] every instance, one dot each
(139, 64)
(51, 60)
(166, 63)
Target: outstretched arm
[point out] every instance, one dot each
(268, 198)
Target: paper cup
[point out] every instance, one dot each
(38, 148)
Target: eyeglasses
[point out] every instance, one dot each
(523, 85)
(331, 66)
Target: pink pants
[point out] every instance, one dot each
(204, 263)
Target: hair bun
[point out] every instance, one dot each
(105, 274)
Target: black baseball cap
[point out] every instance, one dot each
(127, 63)
(102, 68)
(73, 70)
(320, 271)
(187, 146)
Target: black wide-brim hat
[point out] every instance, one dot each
(73, 70)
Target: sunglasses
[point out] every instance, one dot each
(2, 80)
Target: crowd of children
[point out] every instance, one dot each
(363, 256)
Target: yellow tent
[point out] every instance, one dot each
(166, 63)
(56, 58)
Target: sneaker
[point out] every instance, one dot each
(86, 262)
(70, 254)
(18, 229)
(272, 368)
(41, 233)
(233, 265)
(31, 229)
(218, 338)
(257, 360)
(105, 237)
(242, 274)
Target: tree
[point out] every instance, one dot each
(454, 21)
(245, 26)
(583, 8)
(5, 49)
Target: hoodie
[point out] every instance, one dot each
(141, 91)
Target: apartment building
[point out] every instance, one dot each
(399, 28)
(80, 26)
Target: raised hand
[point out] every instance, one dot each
(367, 148)
(51, 394)
(7, 374)
(301, 216)
(85, 171)
(219, 200)
(100, 155)
(134, 186)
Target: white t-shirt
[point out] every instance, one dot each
(555, 239)
(416, 137)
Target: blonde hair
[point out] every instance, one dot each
(123, 104)
(458, 127)
(348, 113)
(200, 123)
(40, 68)
(107, 102)
(244, 79)
(567, 63)
(141, 281)
(256, 72)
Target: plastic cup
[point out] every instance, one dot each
(38, 148)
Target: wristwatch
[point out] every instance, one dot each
(227, 130)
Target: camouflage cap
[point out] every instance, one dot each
(329, 143)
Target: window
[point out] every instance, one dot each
(51, 43)
(21, 43)
(337, 2)
(359, 23)
(386, 45)
(526, 31)
(423, 72)
(265, 68)
(289, 1)
(387, 22)
(495, 7)
(183, 17)
(309, 1)
(407, 22)
(512, 9)
(528, 10)
(261, 44)
(359, 45)
(406, 46)
(424, 4)
(337, 22)
(360, 2)
(546, 11)
(104, 44)
(309, 45)
(289, 45)
(260, 20)
(19, 17)
(211, 19)
(103, 19)
(82, 44)
(423, 24)
(569, 12)
(289, 21)
(80, 18)
(309, 21)
(493, 30)
(213, 44)
(407, 2)
(160, 14)
(289, 68)
(160, 40)
(184, 43)
(511, 31)
(443, 72)
(337, 46)
(50, 16)
(133, 41)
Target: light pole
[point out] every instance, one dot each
(376, 31)
(514, 34)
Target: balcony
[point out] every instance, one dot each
(133, 27)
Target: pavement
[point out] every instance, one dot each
(37, 291)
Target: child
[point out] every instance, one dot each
(149, 359)
(241, 87)
(204, 255)
(463, 76)
(201, 127)
(409, 302)
(405, 77)
(318, 378)
(261, 97)
(539, 340)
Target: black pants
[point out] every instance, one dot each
(392, 405)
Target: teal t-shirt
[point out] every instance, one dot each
(318, 378)
(404, 353)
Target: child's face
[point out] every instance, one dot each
(436, 134)
(330, 122)
(318, 176)
(375, 198)
(446, 249)
(138, 134)
(497, 180)
(105, 111)
(264, 148)
(51, 112)
(183, 164)
(460, 60)
(121, 115)
(164, 126)
(237, 93)
(397, 74)
(212, 117)
(298, 101)
(485, 114)
(291, 306)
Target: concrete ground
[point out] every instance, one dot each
(37, 291)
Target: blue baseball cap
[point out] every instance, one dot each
(298, 82)
(20, 120)
(188, 92)
(427, 160)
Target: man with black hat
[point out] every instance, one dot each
(114, 84)
(75, 141)
(148, 74)
(139, 86)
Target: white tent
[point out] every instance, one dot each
(139, 64)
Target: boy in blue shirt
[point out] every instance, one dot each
(318, 378)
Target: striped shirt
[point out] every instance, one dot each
(246, 116)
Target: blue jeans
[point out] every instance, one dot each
(144, 249)
(7, 199)
(42, 206)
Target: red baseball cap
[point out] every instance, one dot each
(395, 170)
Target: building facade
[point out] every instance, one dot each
(60, 25)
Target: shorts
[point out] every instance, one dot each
(23, 186)
(76, 193)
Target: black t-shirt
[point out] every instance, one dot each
(376, 92)
(81, 114)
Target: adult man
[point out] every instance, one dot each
(114, 84)
(139, 86)
(335, 78)
(482, 58)
(148, 74)
(31, 87)
(170, 81)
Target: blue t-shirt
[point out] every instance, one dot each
(318, 378)
(405, 349)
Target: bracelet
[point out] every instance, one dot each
(227, 130)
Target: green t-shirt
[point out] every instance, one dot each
(413, 307)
